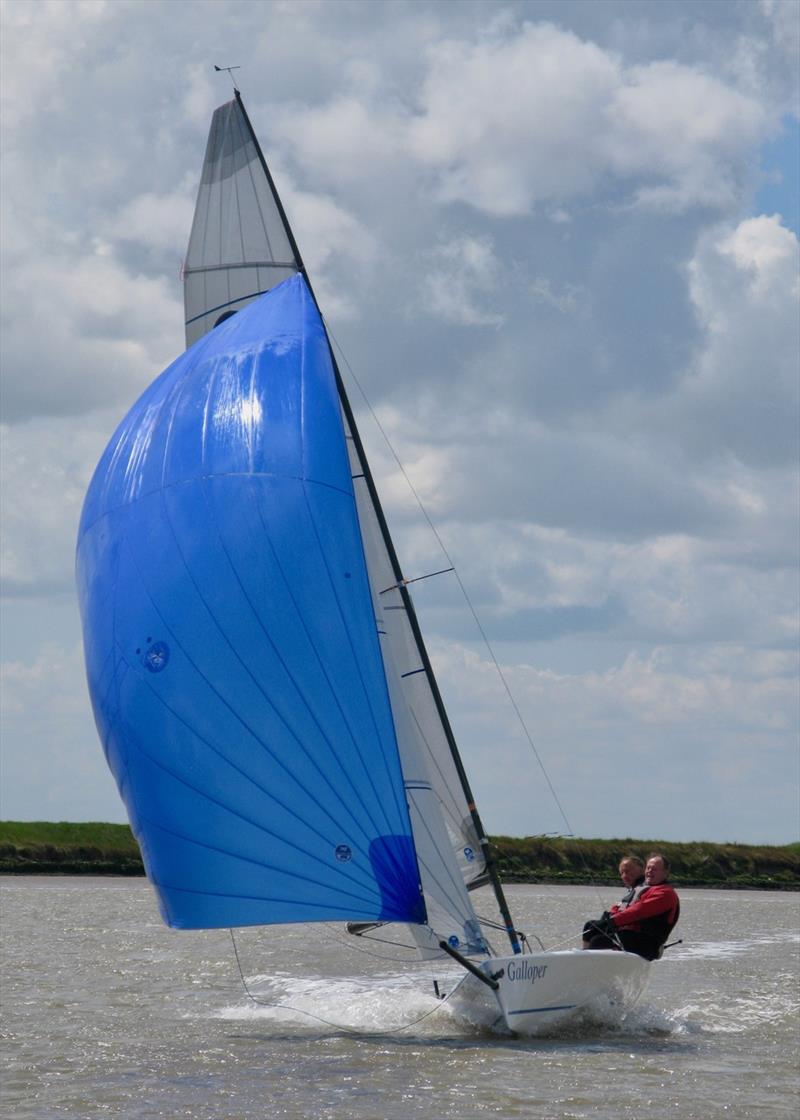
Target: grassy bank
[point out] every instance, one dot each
(536, 859)
(67, 848)
(92, 848)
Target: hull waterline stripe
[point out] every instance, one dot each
(536, 1010)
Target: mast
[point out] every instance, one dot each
(491, 866)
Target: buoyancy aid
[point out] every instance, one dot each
(662, 925)
(654, 913)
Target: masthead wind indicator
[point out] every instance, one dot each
(228, 70)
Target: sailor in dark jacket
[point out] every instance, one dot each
(631, 872)
(644, 925)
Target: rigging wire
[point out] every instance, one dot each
(352, 943)
(356, 945)
(454, 569)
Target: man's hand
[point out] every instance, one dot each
(605, 924)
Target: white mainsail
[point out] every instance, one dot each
(423, 719)
(448, 851)
(239, 247)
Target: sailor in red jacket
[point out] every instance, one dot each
(644, 926)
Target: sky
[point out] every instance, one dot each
(557, 243)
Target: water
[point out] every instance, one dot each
(106, 1013)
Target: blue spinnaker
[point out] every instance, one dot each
(231, 643)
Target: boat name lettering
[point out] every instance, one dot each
(524, 970)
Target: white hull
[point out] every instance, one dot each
(540, 991)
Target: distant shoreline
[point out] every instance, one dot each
(95, 848)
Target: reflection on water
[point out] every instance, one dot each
(108, 1014)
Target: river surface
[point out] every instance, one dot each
(106, 1013)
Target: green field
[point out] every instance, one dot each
(93, 848)
(536, 859)
(67, 848)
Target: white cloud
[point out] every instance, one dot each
(158, 221)
(201, 94)
(338, 244)
(500, 116)
(534, 584)
(745, 283)
(52, 762)
(79, 330)
(782, 18)
(683, 129)
(40, 41)
(664, 718)
(767, 251)
(47, 464)
(565, 300)
(459, 281)
(540, 114)
(333, 138)
(520, 114)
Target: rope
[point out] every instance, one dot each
(355, 944)
(520, 934)
(329, 1022)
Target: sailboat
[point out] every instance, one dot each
(259, 679)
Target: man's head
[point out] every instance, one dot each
(631, 869)
(657, 870)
